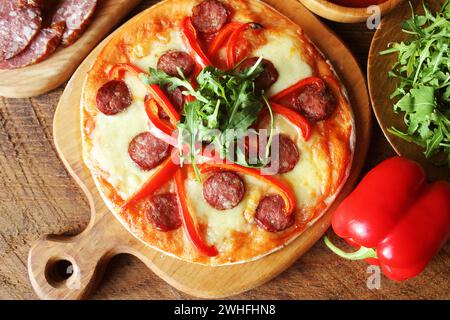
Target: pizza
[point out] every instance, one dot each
(215, 131)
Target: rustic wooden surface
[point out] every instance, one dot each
(38, 197)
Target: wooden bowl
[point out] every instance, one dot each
(343, 14)
(380, 87)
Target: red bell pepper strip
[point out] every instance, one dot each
(188, 222)
(232, 41)
(189, 36)
(302, 83)
(222, 37)
(398, 220)
(159, 128)
(294, 117)
(284, 190)
(161, 175)
(117, 72)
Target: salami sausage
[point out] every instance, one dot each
(43, 45)
(288, 154)
(223, 190)
(162, 212)
(77, 14)
(268, 76)
(147, 151)
(315, 102)
(113, 97)
(209, 16)
(176, 97)
(271, 216)
(170, 61)
(19, 24)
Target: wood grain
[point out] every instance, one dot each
(39, 197)
(334, 12)
(380, 86)
(54, 71)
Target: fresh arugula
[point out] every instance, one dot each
(226, 104)
(423, 71)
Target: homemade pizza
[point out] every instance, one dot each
(215, 131)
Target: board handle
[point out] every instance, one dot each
(70, 267)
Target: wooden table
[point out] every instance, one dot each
(38, 197)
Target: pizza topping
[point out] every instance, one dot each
(19, 24)
(158, 127)
(44, 44)
(77, 15)
(190, 39)
(172, 60)
(147, 151)
(232, 57)
(223, 190)
(267, 77)
(176, 97)
(288, 154)
(113, 97)
(163, 213)
(271, 216)
(294, 117)
(209, 16)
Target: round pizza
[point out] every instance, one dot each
(215, 131)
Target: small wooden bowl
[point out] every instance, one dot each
(338, 13)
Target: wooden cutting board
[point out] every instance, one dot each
(88, 253)
(54, 71)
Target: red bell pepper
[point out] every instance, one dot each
(294, 117)
(190, 39)
(232, 58)
(158, 127)
(222, 37)
(397, 220)
(284, 190)
(297, 86)
(188, 221)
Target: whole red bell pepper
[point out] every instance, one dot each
(395, 217)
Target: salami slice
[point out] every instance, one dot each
(288, 154)
(271, 216)
(209, 16)
(170, 61)
(19, 24)
(147, 151)
(162, 212)
(315, 102)
(77, 14)
(43, 45)
(223, 190)
(268, 76)
(113, 97)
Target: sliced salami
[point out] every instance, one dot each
(285, 154)
(315, 102)
(170, 61)
(77, 14)
(147, 151)
(209, 16)
(223, 190)
(271, 216)
(43, 45)
(162, 212)
(113, 97)
(19, 24)
(268, 76)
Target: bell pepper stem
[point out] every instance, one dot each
(362, 253)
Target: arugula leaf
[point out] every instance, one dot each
(423, 74)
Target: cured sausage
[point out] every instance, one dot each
(19, 24)
(43, 45)
(271, 216)
(170, 61)
(176, 97)
(315, 102)
(268, 76)
(209, 16)
(223, 190)
(147, 151)
(113, 97)
(162, 212)
(77, 14)
(288, 154)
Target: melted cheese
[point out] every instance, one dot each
(283, 51)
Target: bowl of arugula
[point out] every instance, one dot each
(409, 83)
